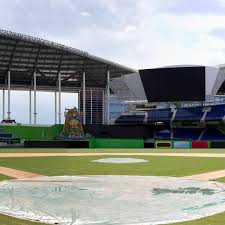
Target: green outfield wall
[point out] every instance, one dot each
(116, 143)
(33, 132)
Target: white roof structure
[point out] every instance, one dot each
(23, 54)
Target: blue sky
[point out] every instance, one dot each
(136, 33)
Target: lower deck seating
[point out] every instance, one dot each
(194, 134)
(213, 134)
(163, 135)
(187, 134)
(7, 138)
(180, 134)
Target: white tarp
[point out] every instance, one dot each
(111, 199)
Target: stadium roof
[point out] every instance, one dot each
(23, 54)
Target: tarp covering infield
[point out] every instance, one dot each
(73, 200)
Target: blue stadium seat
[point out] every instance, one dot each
(213, 134)
(194, 114)
(164, 134)
(159, 115)
(216, 114)
(4, 135)
(189, 114)
(7, 138)
(187, 134)
(209, 134)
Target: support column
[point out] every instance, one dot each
(9, 83)
(103, 107)
(79, 100)
(108, 96)
(55, 107)
(59, 83)
(84, 99)
(3, 104)
(91, 106)
(35, 98)
(30, 110)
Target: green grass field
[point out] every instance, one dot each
(159, 166)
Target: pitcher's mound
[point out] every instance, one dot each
(120, 160)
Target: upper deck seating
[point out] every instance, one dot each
(216, 114)
(161, 115)
(189, 114)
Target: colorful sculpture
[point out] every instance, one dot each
(73, 124)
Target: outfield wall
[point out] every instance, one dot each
(49, 133)
(124, 143)
(116, 143)
(91, 143)
(33, 132)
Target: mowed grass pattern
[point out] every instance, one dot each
(158, 166)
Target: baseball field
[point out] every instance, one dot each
(59, 162)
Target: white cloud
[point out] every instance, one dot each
(130, 28)
(85, 14)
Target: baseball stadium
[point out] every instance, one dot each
(143, 146)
